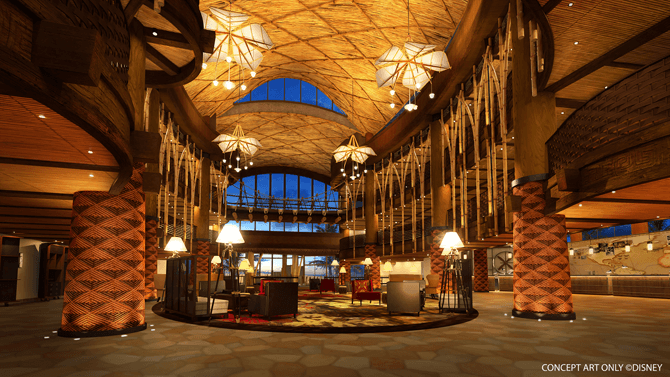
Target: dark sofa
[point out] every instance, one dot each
(279, 299)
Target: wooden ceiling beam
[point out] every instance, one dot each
(629, 201)
(160, 60)
(607, 58)
(131, 9)
(550, 5)
(35, 195)
(602, 221)
(58, 164)
(632, 66)
(166, 38)
(569, 103)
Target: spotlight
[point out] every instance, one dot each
(431, 95)
(204, 65)
(253, 73)
(215, 82)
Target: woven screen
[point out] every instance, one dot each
(541, 262)
(481, 283)
(436, 258)
(202, 249)
(104, 289)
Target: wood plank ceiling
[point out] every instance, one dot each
(44, 159)
(332, 45)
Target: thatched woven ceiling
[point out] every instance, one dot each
(332, 45)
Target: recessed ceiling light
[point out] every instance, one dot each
(571, 4)
(562, 112)
(91, 175)
(576, 42)
(155, 34)
(41, 116)
(580, 204)
(90, 151)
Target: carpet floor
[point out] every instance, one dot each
(334, 313)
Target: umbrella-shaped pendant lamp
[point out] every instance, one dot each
(238, 142)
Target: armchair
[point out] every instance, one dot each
(362, 290)
(327, 285)
(433, 284)
(278, 299)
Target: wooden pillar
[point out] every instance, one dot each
(151, 204)
(440, 200)
(202, 216)
(104, 291)
(371, 220)
(481, 271)
(136, 72)
(542, 286)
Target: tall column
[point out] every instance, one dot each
(104, 291)
(345, 277)
(481, 283)
(152, 216)
(371, 228)
(202, 216)
(440, 200)
(542, 286)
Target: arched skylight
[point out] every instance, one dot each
(292, 90)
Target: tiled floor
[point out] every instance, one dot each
(609, 330)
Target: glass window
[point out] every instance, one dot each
(291, 186)
(262, 226)
(623, 230)
(277, 227)
(246, 98)
(606, 232)
(234, 193)
(291, 227)
(276, 90)
(337, 109)
(306, 227)
(569, 238)
(307, 93)
(333, 198)
(658, 225)
(248, 188)
(263, 184)
(278, 185)
(323, 100)
(260, 93)
(319, 192)
(292, 90)
(247, 225)
(305, 187)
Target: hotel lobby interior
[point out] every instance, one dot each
(334, 187)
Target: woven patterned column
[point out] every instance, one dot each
(542, 287)
(104, 287)
(345, 277)
(150, 257)
(375, 269)
(436, 258)
(481, 283)
(202, 249)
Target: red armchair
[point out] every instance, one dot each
(327, 285)
(362, 290)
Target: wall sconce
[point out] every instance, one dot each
(572, 251)
(650, 245)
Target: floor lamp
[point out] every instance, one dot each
(335, 264)
(449, 245)
(230, 234)
(367, 263)
(175, 245)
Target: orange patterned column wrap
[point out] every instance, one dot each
(104, 287)
(542, 286)
(202, 249)
(345, 277)
(375, 272)
(436, 258)
(150, 257)
(481, 283)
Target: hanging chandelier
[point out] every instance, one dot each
(414, 65)
(238, 142)
(356, 153)
(234, 42)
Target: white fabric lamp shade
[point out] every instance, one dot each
(388, 267)
(216, 259)
(335, 263)
(451, 240)
(343, 270)
(230, 234)
(245, 266)
(367, 262)
(176, 244)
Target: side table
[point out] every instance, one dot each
(342, 289)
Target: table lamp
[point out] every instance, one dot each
(175, 245)
(334, 264)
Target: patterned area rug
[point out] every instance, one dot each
(334, 313)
